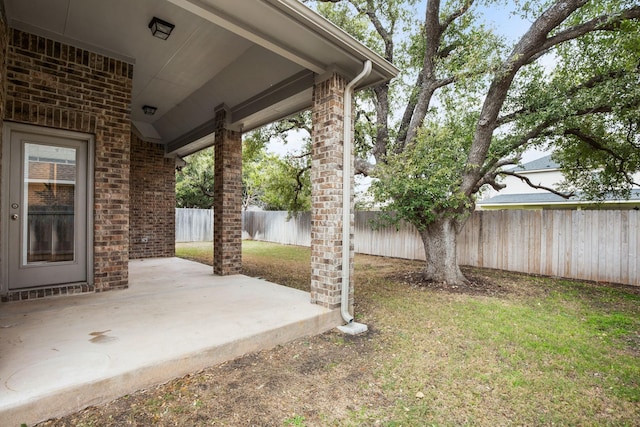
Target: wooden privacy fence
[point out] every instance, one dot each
(594, 245)
(599, 245)
(278, 227)
(194, 225)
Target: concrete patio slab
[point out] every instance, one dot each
(62, 354)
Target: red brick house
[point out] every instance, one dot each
(95, 111)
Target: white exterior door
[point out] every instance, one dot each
(47, 208)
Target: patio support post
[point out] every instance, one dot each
(227, 190)
(326, 193)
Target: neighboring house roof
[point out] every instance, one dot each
(550, 200)
(543, 163)
(258, 58)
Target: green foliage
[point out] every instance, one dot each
(253, 158)
(587, 110)
(295, 420)
(286, 184)
(421, 184)
(280, 183)
(600, 152)
(194, 182)
(268, 181)
(543, 108)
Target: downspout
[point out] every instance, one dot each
(346, 191)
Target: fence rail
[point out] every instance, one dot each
(589, 245)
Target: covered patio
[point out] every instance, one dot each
(114, 94)
(60, 355)
(119, 92)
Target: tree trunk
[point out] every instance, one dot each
(439, 239)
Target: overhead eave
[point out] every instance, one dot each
(304, 17)
(291, 95)
(260, 58)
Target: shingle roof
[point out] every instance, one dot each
(543, 163)
(545, 198)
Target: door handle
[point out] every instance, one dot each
(14, 217)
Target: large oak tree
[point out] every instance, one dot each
(467, 105)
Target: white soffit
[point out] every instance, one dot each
(251, 55)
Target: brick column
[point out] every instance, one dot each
(4, 40)
(326, 193)
(227, 204)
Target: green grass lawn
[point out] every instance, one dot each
(540, 351)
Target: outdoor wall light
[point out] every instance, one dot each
(161, 29)
(149, 110)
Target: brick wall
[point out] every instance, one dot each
(60, 86)
(4, 35)
(326, 193)
(153, 201)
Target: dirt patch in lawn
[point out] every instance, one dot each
(477, 283)
(312, 381)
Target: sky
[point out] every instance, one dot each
(500, 18)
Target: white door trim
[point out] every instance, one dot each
(8, 128)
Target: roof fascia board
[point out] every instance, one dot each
(525, 171)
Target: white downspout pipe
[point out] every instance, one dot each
(346, 191)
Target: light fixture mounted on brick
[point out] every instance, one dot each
(149, 110)
(161, 29)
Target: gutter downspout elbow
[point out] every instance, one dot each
(346, 191)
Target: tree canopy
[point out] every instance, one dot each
(468, 104)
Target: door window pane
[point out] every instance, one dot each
(49, 192)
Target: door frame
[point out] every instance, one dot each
(8, 128)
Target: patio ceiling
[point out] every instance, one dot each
(258, 57)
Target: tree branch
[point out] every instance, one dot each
(502, 81)
(492, 167)
(362, 167)
(387, 36)
(490, 179)
(205, 190)
(455, 15)
(601, 23)
(299, 186)
(490, 171)
(588, 84)
(300, 156)
(445, 51)
(433, 35)
(538, 187)
(408, 113)
(592, 142)
(295, 123)
(381, 142)
(631, 132)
